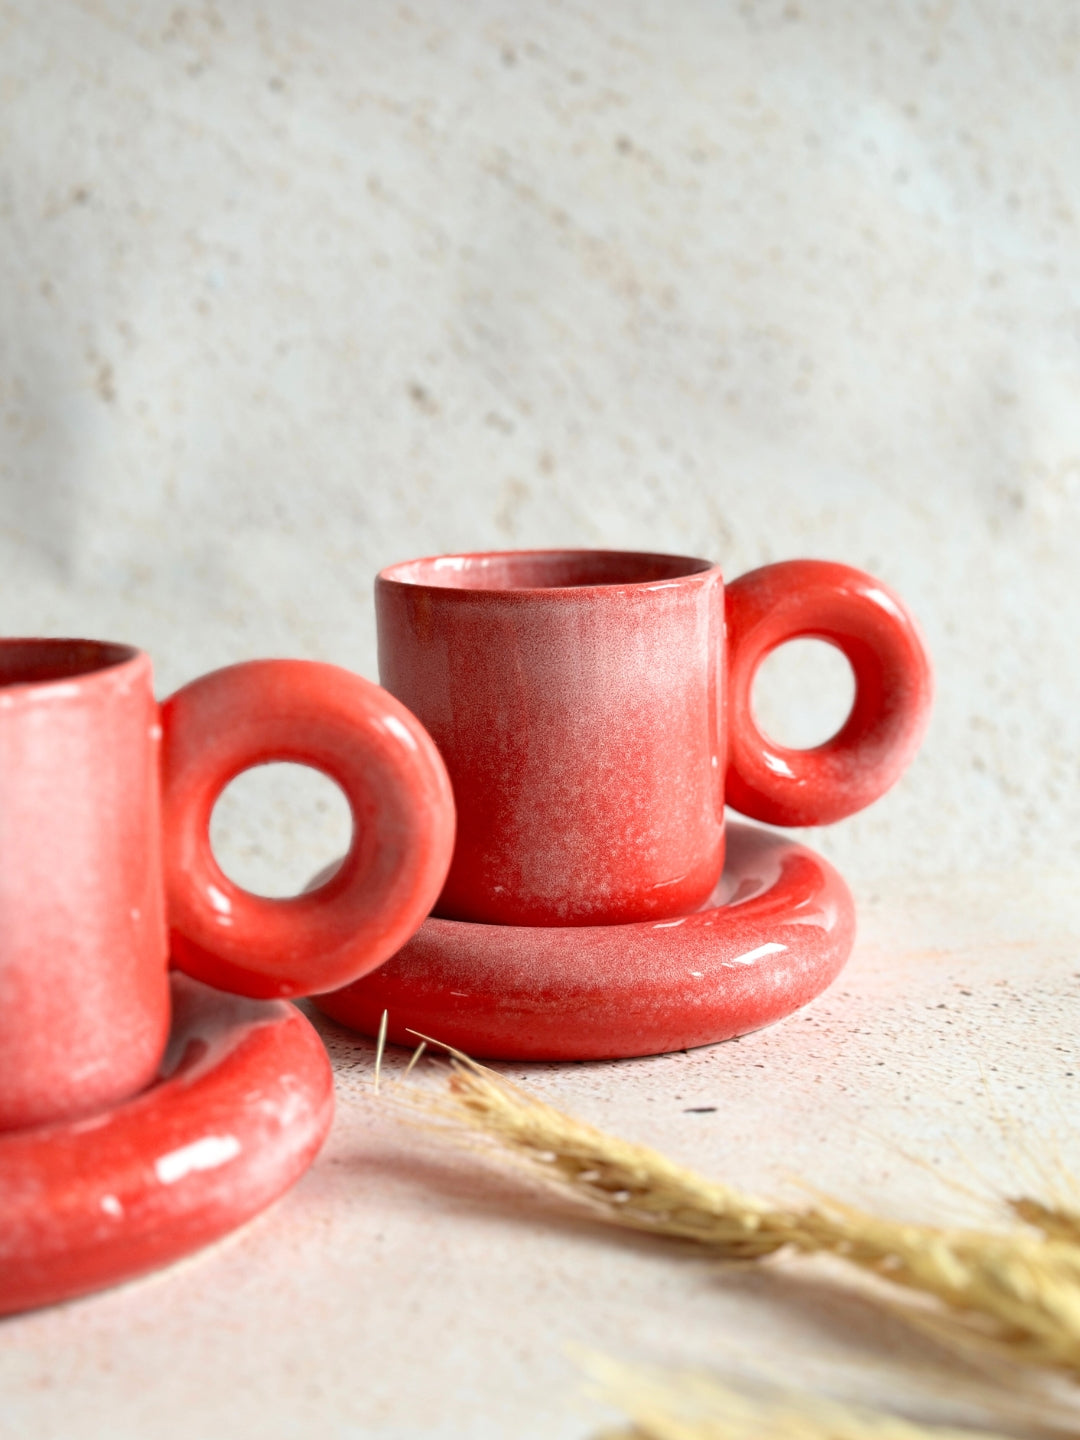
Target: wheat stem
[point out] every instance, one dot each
(1016, 1291)
(690, 1406)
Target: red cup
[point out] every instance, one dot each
(105, 803)
(593, 706)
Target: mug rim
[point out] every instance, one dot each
(67, 660)
(417, 574)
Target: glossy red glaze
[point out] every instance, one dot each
(245, 1102)
(893, 691)
(780, 930)
(84, 1004)
(403, 815)
(583, 705)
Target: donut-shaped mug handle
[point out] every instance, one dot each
(403, 826)
(863, 618)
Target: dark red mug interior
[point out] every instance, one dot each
(31, 662)
(544, 569)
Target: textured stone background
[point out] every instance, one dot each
(291, 291)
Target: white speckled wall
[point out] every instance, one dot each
(289, 291)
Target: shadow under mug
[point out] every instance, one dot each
(105, 804)
(593, 709)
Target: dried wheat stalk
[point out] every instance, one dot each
(697, 1407)
(1058, 1220)
(1017, 1292)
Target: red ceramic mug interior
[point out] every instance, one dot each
(105, 803)
(594, 711)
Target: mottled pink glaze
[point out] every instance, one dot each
(588, 705)
(245, 1100)
(779, 930)
(88, 860)
(574, 698)
(84, 999)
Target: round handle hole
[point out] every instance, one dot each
(275, 825)
(803, 693)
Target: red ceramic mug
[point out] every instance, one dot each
(593, 708)
(105, 802)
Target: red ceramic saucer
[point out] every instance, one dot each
(775, 933)
(243, 1104)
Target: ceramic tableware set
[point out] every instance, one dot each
(584, 714)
